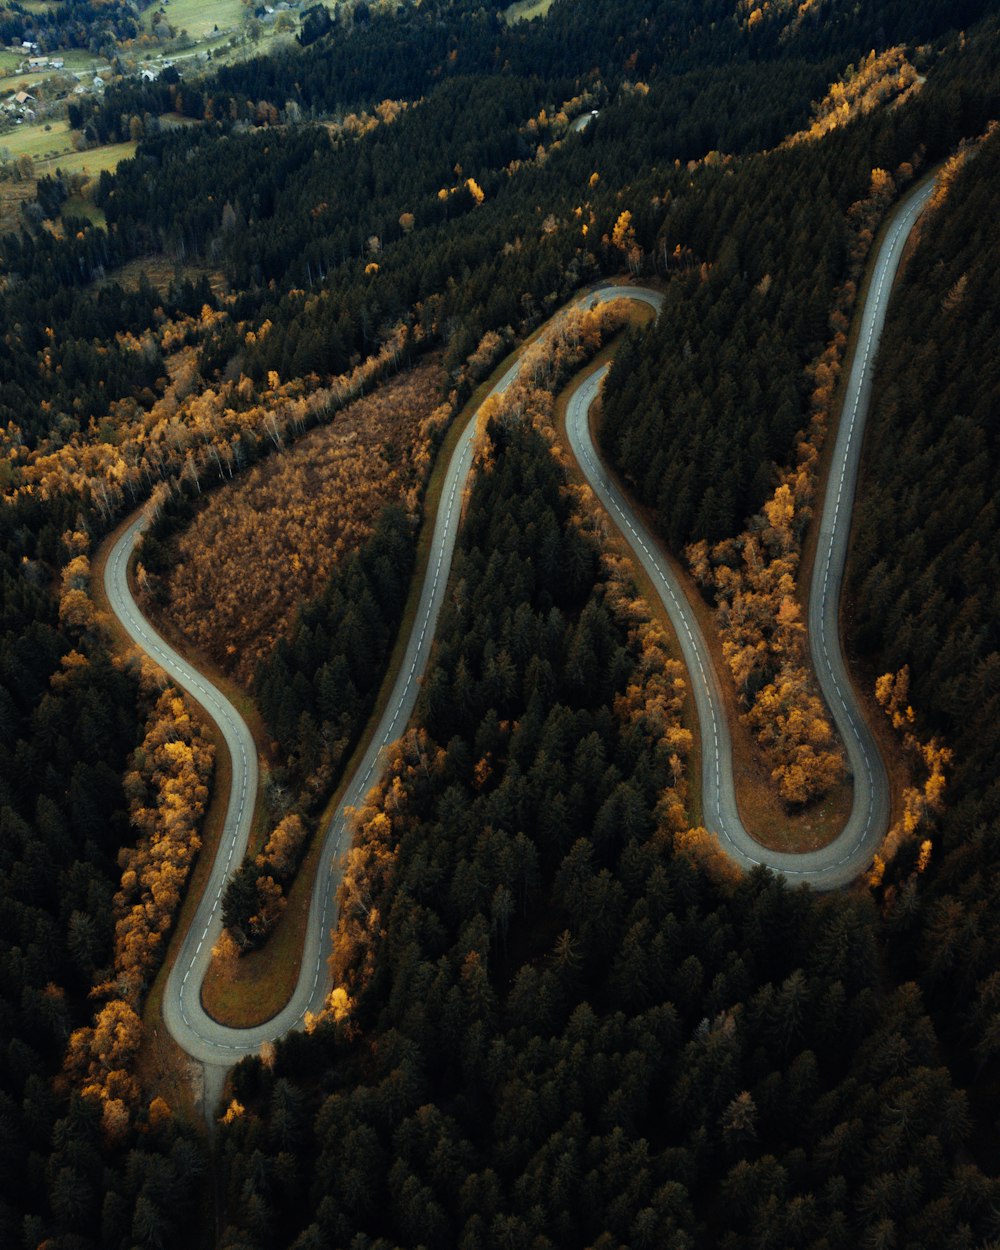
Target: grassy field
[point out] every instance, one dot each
(227, 44)
(161, 272)
(80, 206)
(198, 17)
(526, 10)
(90, 162)
(12, 196)
(77, 60)
(39, 139)
(176, 121)
(52, 150)
(50, 145)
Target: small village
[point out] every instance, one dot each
(54, 84)
(48, 90)
(42, 81)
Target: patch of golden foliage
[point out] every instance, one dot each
(260, 546)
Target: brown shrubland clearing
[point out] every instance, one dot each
(259, 547)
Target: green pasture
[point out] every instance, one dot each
(198, 17)
(32, 139)
(90, 162)
(77, 60)
(526, 9)
(80, 206)
(53, 148)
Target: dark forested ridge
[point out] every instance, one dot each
(559, 1031)
(924, 590)
(368, 56)
(68, 721)
(701, 410)
(565, 1029)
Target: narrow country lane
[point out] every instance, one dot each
(218, 1046)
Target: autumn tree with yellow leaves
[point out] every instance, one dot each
(764, 644)
(99, 1060)
(623, 237)
(878, 80)
(254, 900)
(920, 802)
(754, 577)
(167, 791)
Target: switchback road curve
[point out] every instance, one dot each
(218, 1046)
(195, 1031)
(853, 849)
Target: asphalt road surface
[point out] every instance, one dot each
(219, 1047)
(196, 1032)
(852, 851)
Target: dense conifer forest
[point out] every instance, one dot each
(924, 594)
(561, 1030)
(562, 1018)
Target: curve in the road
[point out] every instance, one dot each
(853, 849)
(212, 1043)
(192, 1027)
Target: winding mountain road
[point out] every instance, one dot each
(217, 1046)
(853, 849)
(191, 1026)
